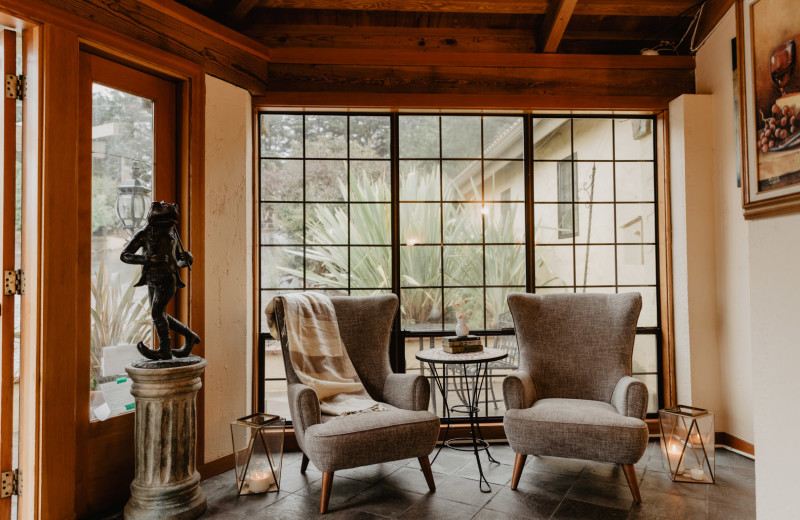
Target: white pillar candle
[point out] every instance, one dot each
(697, 474)
(259, 482)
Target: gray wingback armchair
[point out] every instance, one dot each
(406, 430)
(573, 395)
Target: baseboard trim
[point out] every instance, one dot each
(216, 466)
(721, 439)
(735, 444)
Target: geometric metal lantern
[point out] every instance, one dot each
(687, 444)
(258, 452)
(133, 201)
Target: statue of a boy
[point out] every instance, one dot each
(163, 255)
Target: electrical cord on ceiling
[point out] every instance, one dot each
(670, 47)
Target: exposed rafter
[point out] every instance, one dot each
(585, 7)
(555, 23)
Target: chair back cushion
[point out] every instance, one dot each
(575, 346)
(365, 325)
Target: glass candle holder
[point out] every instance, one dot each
(687, 444)
(258, 452)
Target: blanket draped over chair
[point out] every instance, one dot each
(318, 355)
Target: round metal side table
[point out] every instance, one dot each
(473, 384)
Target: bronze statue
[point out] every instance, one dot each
(163, 255)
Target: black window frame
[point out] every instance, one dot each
(401, 338)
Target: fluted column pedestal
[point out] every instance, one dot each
(166, 483)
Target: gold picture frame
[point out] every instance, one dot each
(768, 36)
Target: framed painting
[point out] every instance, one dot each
(769, 37)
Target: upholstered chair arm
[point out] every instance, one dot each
(630, 397)
(407, 391)
(304, 408)
(518, 390)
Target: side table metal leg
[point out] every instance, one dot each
(473, 426)
(483, 381)
(442, 386)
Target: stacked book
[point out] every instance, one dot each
(461, 344)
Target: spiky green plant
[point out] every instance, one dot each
(118, 316)
(420, 266)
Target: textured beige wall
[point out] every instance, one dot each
(714, 76)
(691, 125)
(775, 301)
(228, 262)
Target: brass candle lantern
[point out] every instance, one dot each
(258, 452)
(687, 444)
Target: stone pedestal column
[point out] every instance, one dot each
(166, 484)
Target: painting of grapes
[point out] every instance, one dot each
(775, 37)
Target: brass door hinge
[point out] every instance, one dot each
(14, 282)
(15, 86)
(10, 483)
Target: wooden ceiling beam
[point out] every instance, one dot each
(584, 7)
(403, 58)
(173, 28)
(555, 23)
(713, 11)
(238, 13)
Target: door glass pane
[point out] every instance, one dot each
(122, 173)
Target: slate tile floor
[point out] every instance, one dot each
(549, 488)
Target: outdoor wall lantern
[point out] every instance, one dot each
(133, 201)
(258, 452)
(687, 443)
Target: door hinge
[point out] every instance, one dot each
(15, 86)
(10, 483)
(14, 282)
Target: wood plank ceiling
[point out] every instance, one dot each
(470, 53)
(563, 26)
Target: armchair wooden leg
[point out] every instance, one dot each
(425, 464)
(519, 463)
(303, 464)
(633, 483)
(327, 480)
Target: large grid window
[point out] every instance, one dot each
(446, 208)
(325, 214)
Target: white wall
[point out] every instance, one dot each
(228, 262)
(691, 123)
(714, 76)
(775, 298)
(758, 298)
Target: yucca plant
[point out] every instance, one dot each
(118, 317)
(336, 267)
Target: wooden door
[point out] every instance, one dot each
(8, 411)
(127, 135)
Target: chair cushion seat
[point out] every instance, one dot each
(576, 428)
(349, 441)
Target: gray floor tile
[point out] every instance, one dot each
(465, 491)
(488, 514)
(385, 500)
(411, 479)
(552, 484)
(372, 473)
(575, 510)
(556, 465)
(550, 487)
(524, 503)
(435, 508)
(670, 506)
(342, 489)
(602, 493)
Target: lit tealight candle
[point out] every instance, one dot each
(675, 453)
(259, 482)
(697, 474)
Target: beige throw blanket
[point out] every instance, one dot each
(318, 355)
